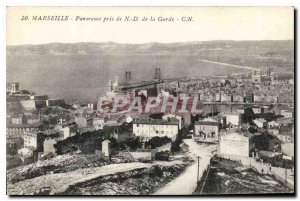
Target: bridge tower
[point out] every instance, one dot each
(128, 77)
(157, 75)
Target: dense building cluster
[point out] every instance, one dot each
(244, 114)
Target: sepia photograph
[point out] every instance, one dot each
(150, 101)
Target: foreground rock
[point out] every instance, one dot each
(137, 178)
(230, 177)
(137, 182)
(58, 183)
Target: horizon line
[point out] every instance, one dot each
(153, 42)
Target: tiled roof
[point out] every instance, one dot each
(207, 123)
(260, 120)
(172, 121)
(23, 125)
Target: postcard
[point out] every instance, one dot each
(150, 101)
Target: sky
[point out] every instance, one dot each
(209, 23)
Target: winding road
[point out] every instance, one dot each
(186, 183)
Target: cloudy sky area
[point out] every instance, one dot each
(210, 23)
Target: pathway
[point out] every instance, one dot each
(186, 183)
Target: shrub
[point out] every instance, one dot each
(157, 142)
(175, 146)
(162, 156)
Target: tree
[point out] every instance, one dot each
(132, 143)
(175, 146)
(162, 156)
(158, 141)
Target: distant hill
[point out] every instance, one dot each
(80, 71)
(262, 48)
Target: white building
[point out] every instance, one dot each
(260, 123)
(33, 104)
(34, 140)
(98, 123)
(148, 128)
(226, 98)
(90, 105)
(234, 119)
(19, 120)
(258, 110)
(206, 130)
(20, 129)
(128, 119)
(26, 151)
(258, 98)
(84, 122)
(235, 144)
(256, 75)
(49, 145)
(289, 113)
(106, 148)
(241, 110)
(69, 129)
(12, 87)
(237, 98)
(168, 116)
(286, 133)
(218, 118)
(273, 124)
